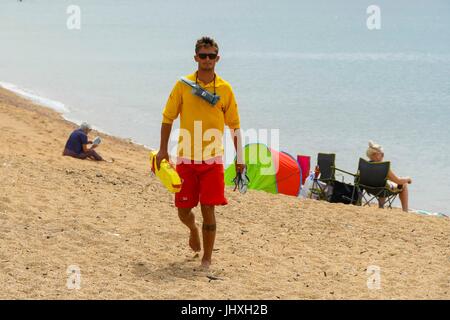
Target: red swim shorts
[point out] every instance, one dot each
(201, 182)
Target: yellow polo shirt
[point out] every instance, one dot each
(201, 124)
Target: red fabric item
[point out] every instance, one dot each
(305, 164)
(200, 182)
(288, 174)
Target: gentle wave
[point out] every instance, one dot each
(57, 106)
(28, 94)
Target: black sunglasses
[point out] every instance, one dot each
(211, 56)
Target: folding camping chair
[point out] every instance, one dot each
(326, 187)
(371, 182)
(321, 184)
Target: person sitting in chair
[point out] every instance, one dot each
(76, 145)
(375, 153)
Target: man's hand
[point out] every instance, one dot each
(237, 141)
(162, 154)
(240, 167)
(94, 146)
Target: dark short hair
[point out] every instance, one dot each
(206, 42)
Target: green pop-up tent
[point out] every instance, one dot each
(268, 170)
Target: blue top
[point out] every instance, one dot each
(76, 141)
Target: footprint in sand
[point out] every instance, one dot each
(4, 208)
(140, 269)
(194, 258)
(5, 200)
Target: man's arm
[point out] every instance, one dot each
(163, 153)
(86, 149)
(84, 143)
(237, 141)
(170, 113)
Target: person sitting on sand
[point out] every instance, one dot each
(375, 153)
(76, 145)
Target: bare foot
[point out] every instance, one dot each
(205, 264)
(194, 240)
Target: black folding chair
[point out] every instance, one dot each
(326, 164)
(371, 181)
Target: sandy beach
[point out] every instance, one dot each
(119, 226)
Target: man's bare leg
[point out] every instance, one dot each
(404, 197)
(209, 234)
(92, 154)
(187, 217)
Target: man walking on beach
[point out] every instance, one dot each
(200, 149)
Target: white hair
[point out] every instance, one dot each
(374, 148)
(85, 126)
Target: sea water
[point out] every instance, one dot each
(314, 70)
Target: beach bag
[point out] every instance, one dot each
(343, 192)
(305, 192)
